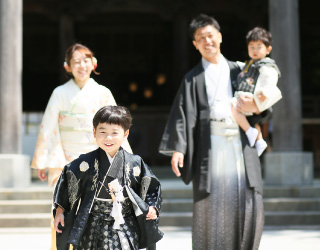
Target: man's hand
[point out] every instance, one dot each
(42, 174)
(246, 104)
(177, 160)
(58, 219)
(152, 214)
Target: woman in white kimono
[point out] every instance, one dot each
(66, 128)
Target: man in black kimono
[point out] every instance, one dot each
(211, 150)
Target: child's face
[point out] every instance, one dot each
(257, 50)
(81, 66)
(110, 137)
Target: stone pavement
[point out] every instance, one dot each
(175, 238)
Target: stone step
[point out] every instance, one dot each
(39, 193)
(32, 193)
(271, 219)
(291, 204)
(169, 205)
(292, 218)
(268, 192)
(25, 220)
(25, 206)
(172, 188)
(174, 219)
(177, 205)
(284, 206)
(177, 193)
(181, 219)
(270, 204)
(293, 192)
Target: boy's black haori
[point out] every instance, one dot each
(77, 184)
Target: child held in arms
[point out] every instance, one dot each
(258, 79)
(108, 198)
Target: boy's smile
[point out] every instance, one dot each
(110, 137)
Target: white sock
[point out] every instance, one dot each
(252, 134)
(261, 145)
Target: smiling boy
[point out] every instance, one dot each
(89, 212)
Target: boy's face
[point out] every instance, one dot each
(257, 50)
(110, 137)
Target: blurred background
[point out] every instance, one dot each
(143, 51)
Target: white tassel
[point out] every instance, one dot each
(117, 198)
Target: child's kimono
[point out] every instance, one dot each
(259, 77)
(82, 191)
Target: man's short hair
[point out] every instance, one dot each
(259, 34)
(201, 21)
(113, 115)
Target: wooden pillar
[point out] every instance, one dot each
(287, 165)
(10, 76)
(66, 38)
(14, 167)
(284, 26)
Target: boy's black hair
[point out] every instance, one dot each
(201, 21)
(113, 115)
(259, 34)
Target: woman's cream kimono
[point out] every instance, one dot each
(66, 130)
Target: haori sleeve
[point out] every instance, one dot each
(175, 137)
(67, 192)
(60, 195)
(150, 188)
(267, 81)
(267, 85)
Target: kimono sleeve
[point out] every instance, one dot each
(49, 152)
(107, 98)
(60, 196)
(150, 190)
(267, 81)
(267, 85)
(178, 133)
(180, 130)
(68, 190)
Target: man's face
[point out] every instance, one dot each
(207, 40)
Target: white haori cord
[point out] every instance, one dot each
(117, 198)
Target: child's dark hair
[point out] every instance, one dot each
(259, 34)
(113, 115)
(201, 21)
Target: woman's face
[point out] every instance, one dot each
(81, 66)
